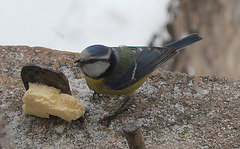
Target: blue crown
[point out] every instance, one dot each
(99, 50)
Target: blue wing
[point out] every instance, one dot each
(144, 61)
(184, 41)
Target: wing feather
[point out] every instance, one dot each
(138, 62)
(145, 60)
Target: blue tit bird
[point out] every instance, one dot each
(122, 70)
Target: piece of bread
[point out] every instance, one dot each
(48, 93)
(42, 100)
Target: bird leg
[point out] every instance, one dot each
(95, 96)
(122, 109)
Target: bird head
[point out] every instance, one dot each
(94, 60)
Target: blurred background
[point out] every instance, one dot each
(72, 25)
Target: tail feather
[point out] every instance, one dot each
(179, 44)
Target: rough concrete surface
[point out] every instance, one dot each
(173, 110)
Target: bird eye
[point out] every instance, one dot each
(80, 60)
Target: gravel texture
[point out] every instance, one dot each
(173, 110)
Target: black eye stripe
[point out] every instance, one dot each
(113, 62)
(91, 61)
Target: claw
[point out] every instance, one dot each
(95, 96)
(121, 110)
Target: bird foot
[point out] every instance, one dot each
(124, 107)
(95, 97)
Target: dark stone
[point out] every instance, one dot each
(36, 74)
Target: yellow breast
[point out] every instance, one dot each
(98, 86)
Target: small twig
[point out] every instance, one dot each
(134, 136)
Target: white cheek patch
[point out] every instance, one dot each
(95, 69)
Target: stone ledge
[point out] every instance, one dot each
(174, 110)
